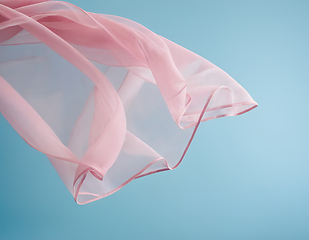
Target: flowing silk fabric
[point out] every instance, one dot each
(105, 99)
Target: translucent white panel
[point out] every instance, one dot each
(55, 88)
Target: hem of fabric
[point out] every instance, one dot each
(140, 174)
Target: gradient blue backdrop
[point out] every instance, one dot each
(244, 178)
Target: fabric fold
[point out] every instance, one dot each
(106, 99)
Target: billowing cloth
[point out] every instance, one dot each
(106, 99)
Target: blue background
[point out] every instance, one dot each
(244, 177)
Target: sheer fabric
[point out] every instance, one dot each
(104, 98)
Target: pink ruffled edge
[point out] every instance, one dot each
(78, 182)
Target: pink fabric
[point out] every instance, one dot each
(105, 99)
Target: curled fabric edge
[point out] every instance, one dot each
(79, 181)
(184, 97)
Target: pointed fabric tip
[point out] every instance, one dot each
(106, 99)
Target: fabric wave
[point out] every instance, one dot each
(106, 99)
